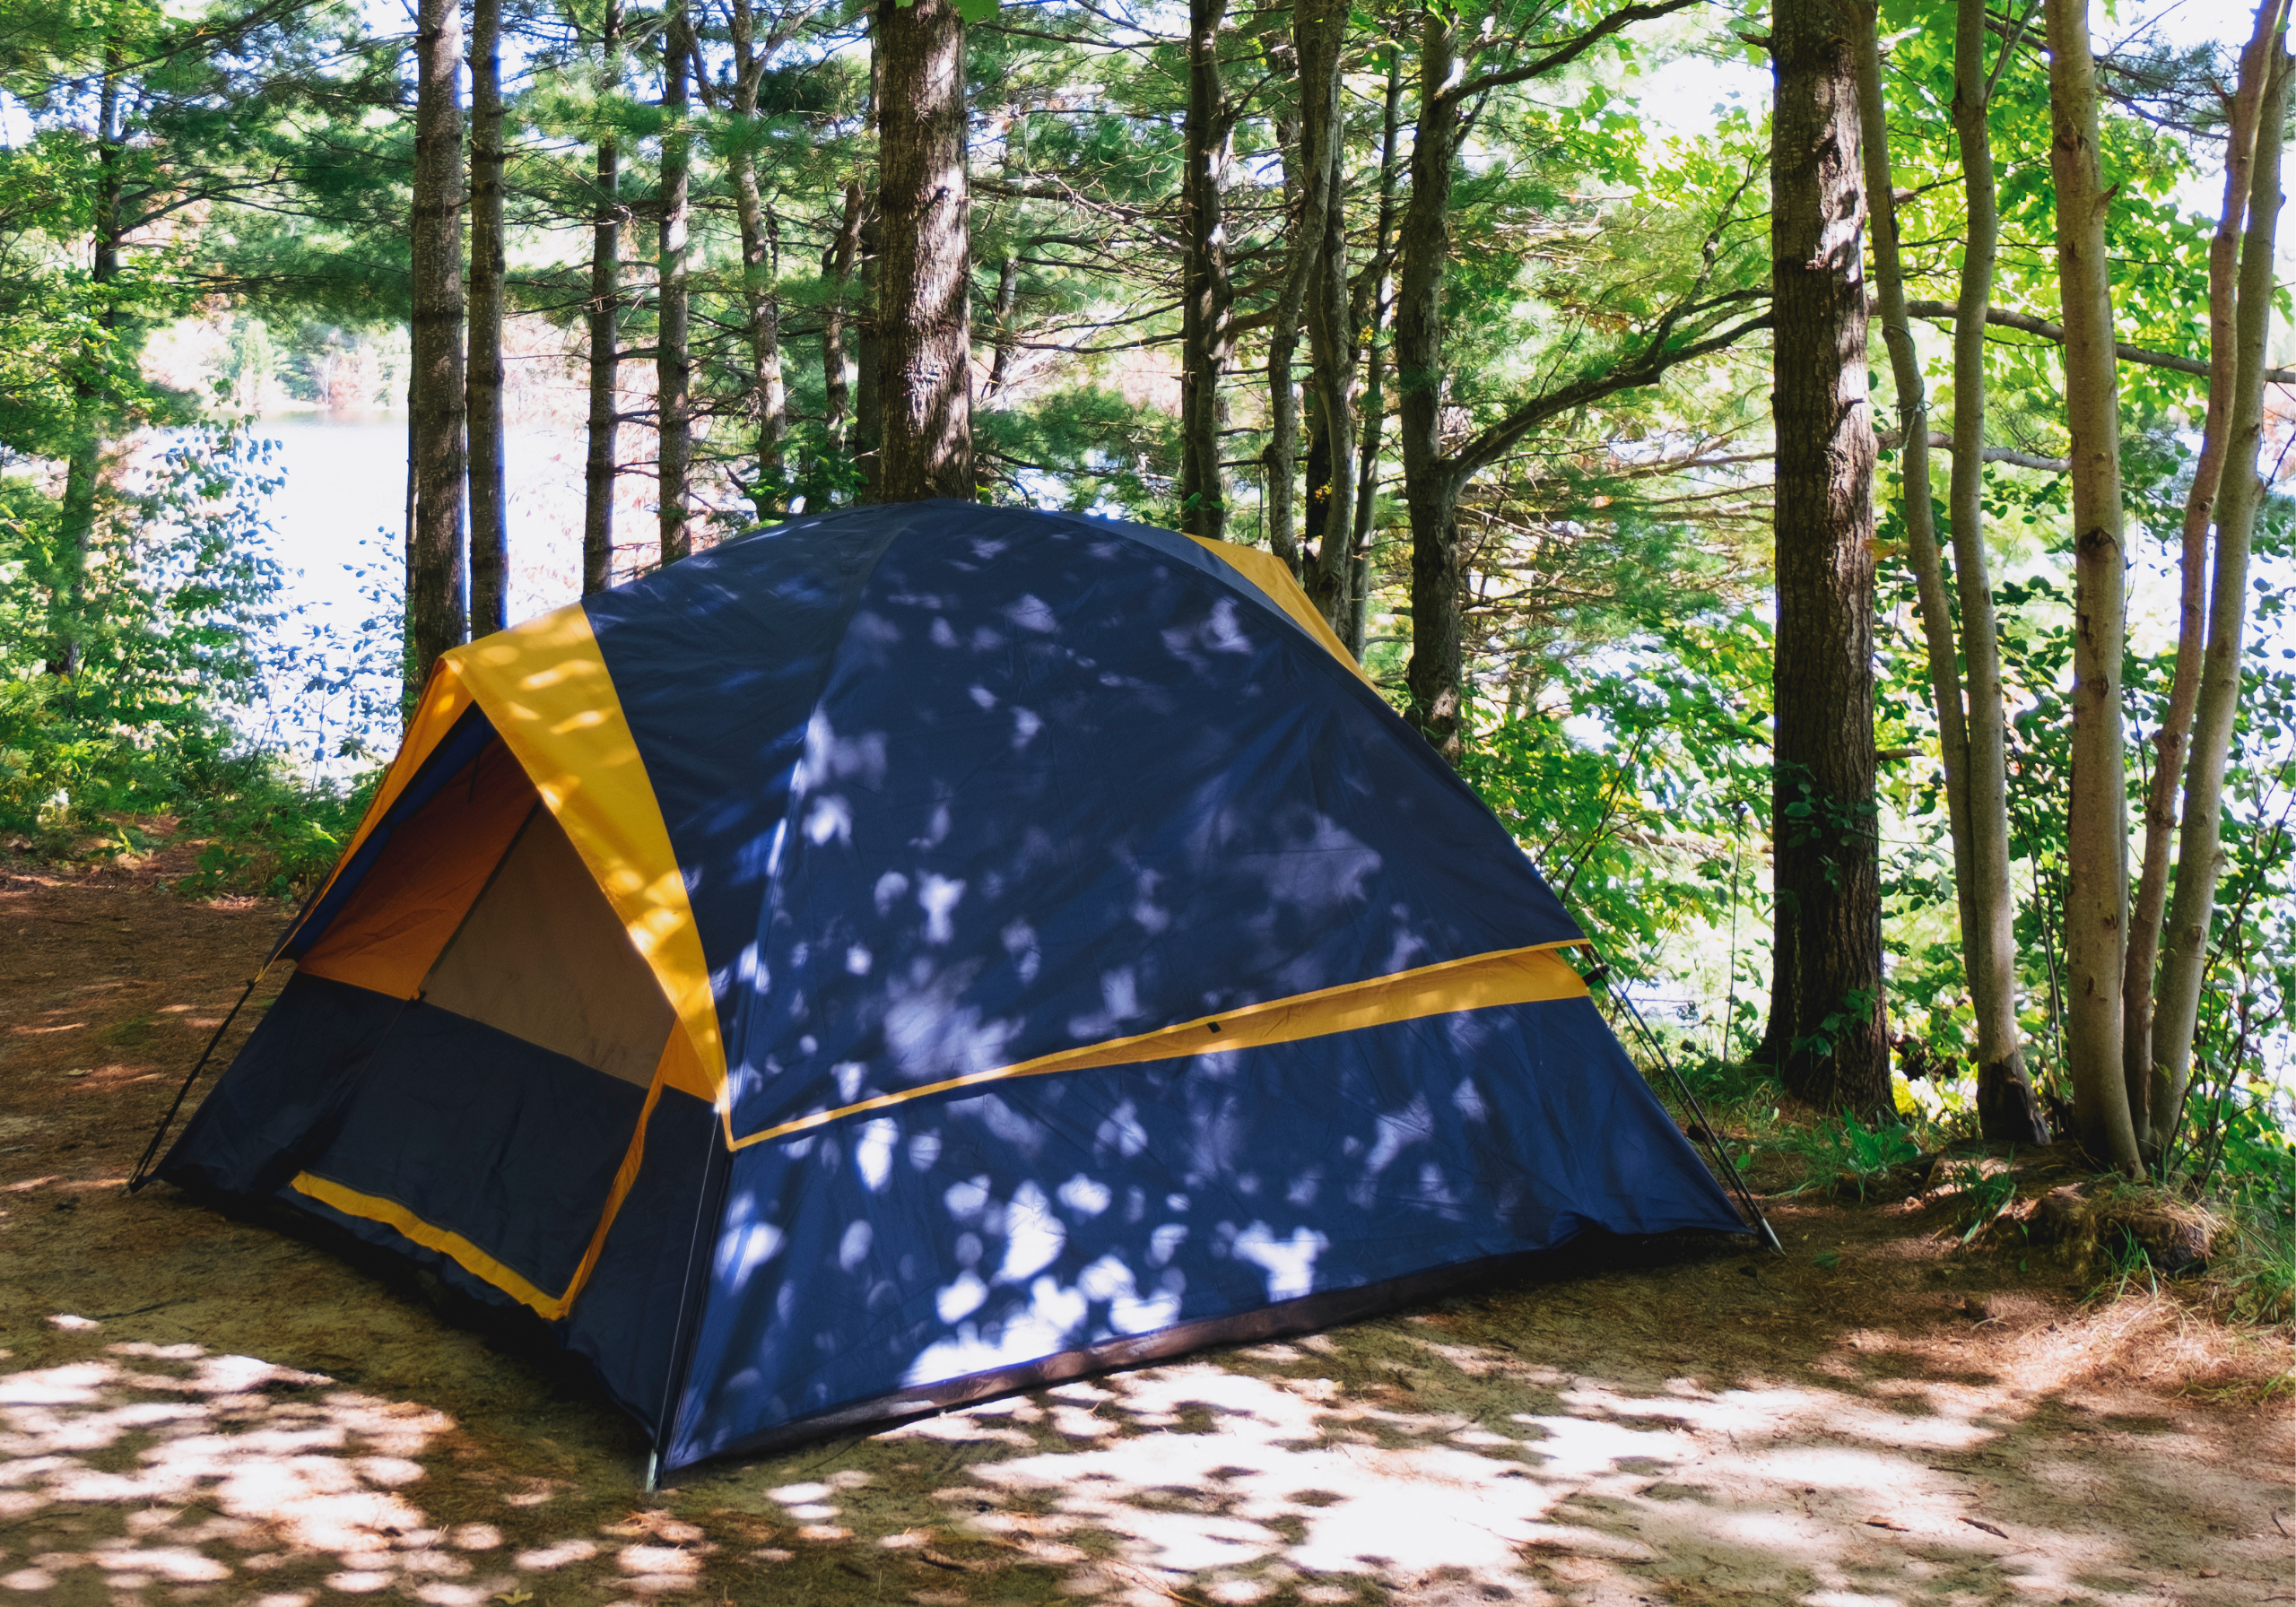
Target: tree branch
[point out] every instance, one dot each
(1942, 312)
(1562, 55)
(1889, 440)
(1647, 367)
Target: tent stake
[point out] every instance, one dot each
(1600, 977)
(140, 1175)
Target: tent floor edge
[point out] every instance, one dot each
(1308, 1314)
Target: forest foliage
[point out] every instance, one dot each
(1594, 437)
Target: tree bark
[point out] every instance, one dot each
(1321, 29)
(837, 266)
(869, 389)
(1007, 331)
(924, 309)
(673, 358)
(1208, 296)
(1280, 458)
(1925, 558)
(2007, 1111)
(489, 536)
(435, 581)
(1430, 491)
(767, 400)
(83, 466)
(1825, 1032)
(868, 359)
(2096, 899)
(1434, 480)
(1378, 278)
(2200, 850)
(604, 316)
(2169, 744)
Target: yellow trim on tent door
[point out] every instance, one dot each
(1510, 977)
(477, 1262)
(444, 699)
(678, 1055)
(545, 686)
(1273, 576)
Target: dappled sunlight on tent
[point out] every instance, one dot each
(921, 946)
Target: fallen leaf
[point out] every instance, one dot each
(1888, 1523)
(514, 1597)
(955, 1564)
(1978, 1523)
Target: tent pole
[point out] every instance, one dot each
(142, 1174)
(1600, 977)
(673, 1375)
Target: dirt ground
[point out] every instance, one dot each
(194, 1407)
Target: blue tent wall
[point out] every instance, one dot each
(1043, 782)
(949, 789)
(890, 1260)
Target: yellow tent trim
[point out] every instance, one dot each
(375, 1208)
(677, 1057)
(1273, 577)
(545, 686)
(1510, 977)
(444, 699)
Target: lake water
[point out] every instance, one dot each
(336, 527)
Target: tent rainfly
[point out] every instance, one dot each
(926, 951)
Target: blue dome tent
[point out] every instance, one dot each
(921, 951)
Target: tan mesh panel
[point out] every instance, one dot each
(543, 957)
(402, 916)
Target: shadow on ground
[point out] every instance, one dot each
(199, 1409)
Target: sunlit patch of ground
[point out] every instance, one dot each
(196, 1409)
(1419, 1460)
(1389, 1462)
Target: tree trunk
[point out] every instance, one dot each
(2200, 852)
(1207, 298)
(869, 367)
(1007, 331)
(2096, 899)
(435, 612)
(673, 361)
(1430, 489)
(923, 306)
(2153, 1136)
(1825, 1033)
(768, 402)
(772, 387)
(1924, 558)
(603, 314)
(489, 536)
(837, 266)
(2007, 1111)
(869, 391)
(1379, 282)
(83, 467)
(1280, 458)
(1321, 27)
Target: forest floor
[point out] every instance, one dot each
(195, 1408)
